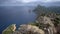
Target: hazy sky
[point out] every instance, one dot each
(39, 0)
(26, 1)
(6, 2)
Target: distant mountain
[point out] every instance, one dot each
(47, 4)
(54, 9)
(57, 3)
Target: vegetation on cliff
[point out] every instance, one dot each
(10, 29)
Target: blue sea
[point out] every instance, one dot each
(15, 15)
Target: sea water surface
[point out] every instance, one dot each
(15, 15)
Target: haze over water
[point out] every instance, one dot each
(20, 11)
(15, 15)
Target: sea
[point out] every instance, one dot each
(15, 15)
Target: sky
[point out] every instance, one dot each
(11, 2)
(26, 1)
(40, 0)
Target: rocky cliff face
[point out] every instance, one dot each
(49, 27)
(43, 25)
(10, 29)
(29, 29)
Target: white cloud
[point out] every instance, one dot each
(51, 0)
(22, 2)
(27, 1)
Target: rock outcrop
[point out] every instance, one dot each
(29, 29)
(10, 29)
(46, 20)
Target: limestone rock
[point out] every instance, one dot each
(29, 29)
